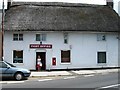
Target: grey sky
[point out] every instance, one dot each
(101, 2)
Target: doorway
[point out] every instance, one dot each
(43, 59)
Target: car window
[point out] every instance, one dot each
(10, 64)
(0, 64)
(3, 65)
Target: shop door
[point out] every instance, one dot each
(43, 59)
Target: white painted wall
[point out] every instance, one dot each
(119, 50)
(84, 47)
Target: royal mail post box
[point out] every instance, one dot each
(54, 61)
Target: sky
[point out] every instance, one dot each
(101, 2)
(70, 1)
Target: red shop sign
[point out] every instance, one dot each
(41, 46)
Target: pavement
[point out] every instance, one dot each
(71, 73)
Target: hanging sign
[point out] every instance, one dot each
(49, 46)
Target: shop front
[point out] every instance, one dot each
(41, 51)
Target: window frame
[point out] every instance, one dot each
(65, 37)
(18, 37)
(68, 62)
(18, 58)
(42, 37)
(101, 37)
(99, 61)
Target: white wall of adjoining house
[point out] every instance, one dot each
(0, 17)
(83, 46)
(119, 50)
(117, 6)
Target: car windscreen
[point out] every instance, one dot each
(10, 64)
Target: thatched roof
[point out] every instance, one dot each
(61, 17)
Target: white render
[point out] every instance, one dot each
(83, 45)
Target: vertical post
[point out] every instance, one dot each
(2, 28)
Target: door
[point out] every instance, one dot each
(43, 59)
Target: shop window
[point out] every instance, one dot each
(17, 37)
(101, 37)
(65, 38)
(17, 56)
(65, 56)
(40, 37)
(101, 57)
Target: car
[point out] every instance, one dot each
(8, 70)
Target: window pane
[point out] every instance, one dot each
(21, 37)
(15, 37)
(43, 37)
(66, 38)
(40, 37)
(3, 65)
(101, 37)
(17, 56)
(0, 64)
(37, 37)
(101, 57)
(65, 56)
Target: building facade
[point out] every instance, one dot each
(119, 8)
(7, 4)
(66, 36)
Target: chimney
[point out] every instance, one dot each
(9, 3)
(109, 3)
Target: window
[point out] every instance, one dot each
(65, 56)
(101, 37)
(3, 65)
(101, 57)
(18, 56)
(40, 37)
(65, 38)
(17, 37)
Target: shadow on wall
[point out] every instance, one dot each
(0, 34)
(0, 43)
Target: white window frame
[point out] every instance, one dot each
(42, 37)
(69, 57)
(98, 62)
(101, 37)
(17, 57)
(65, 36)
(18, 38)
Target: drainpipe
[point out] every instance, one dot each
(2, 28)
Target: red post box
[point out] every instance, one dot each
(54, 61)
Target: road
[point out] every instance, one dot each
(97, 81)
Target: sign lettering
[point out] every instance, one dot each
(49, 46)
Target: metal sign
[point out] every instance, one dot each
(48, 46)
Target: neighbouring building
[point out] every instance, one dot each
(7, 4)
(116, 5)
(65, 35)
(119, 8)
(0, 34)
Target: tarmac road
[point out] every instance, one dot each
(98, 82)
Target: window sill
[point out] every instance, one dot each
(18, 64)
(101, 64)
(65, 63)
